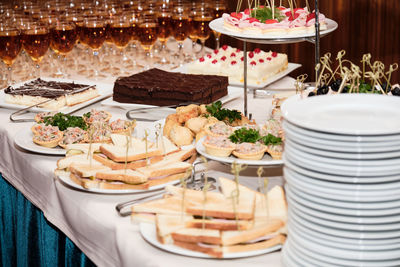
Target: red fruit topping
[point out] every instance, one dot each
(257, 50)
(224, 47)
(247, 11)
(233, 62)
(269, 59)
(216, 51)
(223, 58)
(214, 61)
(274, 54)
(289, 14)
(201, 59)
(233, 55)
(209, 56)
(253, 63)
(236, 15)
(238, 50)
(251, 54)
(271, 21)
(251, 20)
(310, 17)
(261, 60)
(261, 6)
(297, 9)
(242, 58)
(281, 8)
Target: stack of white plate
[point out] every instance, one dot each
(342, 168)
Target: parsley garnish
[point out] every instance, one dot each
(244, 135)
(222, 114)
(271, 140)
(265, 13)
(64, 121)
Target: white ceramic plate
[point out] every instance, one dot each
(342, 155)
(344, 208)
(65, 179)
(233, 93)
(299, 259)
(337, 178)
(344, 170)
(356, 227)
(23, 139)
(336, 241)
(105, 90)
(218, 26)
(149, 234)
(291, 67)
(355, 163)
(342, 195)
(351, 114)
(265, 161)
(340, 137)
(346, 256)
(380, 188)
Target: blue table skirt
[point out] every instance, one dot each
(28, 239)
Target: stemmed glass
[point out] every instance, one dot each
(193, 30)
(200, 24)
(94, 32)
(36, 41)
(219, 7)
(10, 46)
(147, 34)
(63, 38)
(181, 24)
(164, 19)
(121, 34)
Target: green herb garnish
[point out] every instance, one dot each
(265, 13)
(244, 135)
(87, 115)
(64, 121)
(271, 140)
(223, 114)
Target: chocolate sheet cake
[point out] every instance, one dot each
(161, 88)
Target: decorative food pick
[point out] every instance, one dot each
(236, 169)
(371, 77)
(266, 181)
(299, 84)
(235, 199)
(146, 136)
(184, 186)
(90, 133)
(159, 135)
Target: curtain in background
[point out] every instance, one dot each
(28, 239)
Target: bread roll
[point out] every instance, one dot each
(186, 112)
(170, 121)
(180, 135)
(196, 124)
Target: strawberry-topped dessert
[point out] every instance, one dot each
(273, 21)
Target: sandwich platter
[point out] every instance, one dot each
(149, 234)
(66, 180)
(265, 161)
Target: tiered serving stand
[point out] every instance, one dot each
(218, 26)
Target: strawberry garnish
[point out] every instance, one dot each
(201, 59)
(209, 56)
(291, 18)
(223, 58)
(224, 47)
(274, 54)
(257, 50)
(216, 51)
(214, 61)
(269, 59)
(233, 62)
(242, 58)
(238, 50)
(271, 21)
(251, 54)
(261, 6)
(233, 55)
(253, 63)
(310, 17)
(237, 15)
(251, 20)
(247, 11)
(281, 8)
(261, 60)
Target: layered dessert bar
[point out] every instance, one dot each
(38, 91)
(162, 88)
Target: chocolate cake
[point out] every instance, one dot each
(38, 91)
(162, 88)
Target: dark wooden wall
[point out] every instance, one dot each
(365, 26)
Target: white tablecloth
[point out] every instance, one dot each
(90, 219)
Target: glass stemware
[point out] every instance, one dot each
(94, 33)
(36, 41)
(121, 34)
(10, 46)
(63, 38)
(181, 24)
(219, 7)
(164, 19)
(147, 34)
(200, 23)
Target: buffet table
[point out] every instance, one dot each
(90, 219)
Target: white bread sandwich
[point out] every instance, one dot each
(73, 149)
(119, 153)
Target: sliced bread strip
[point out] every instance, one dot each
(127, 176)
(118, 153)
(130, 165)
(212, 250)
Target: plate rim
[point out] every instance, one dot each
(20, 136)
